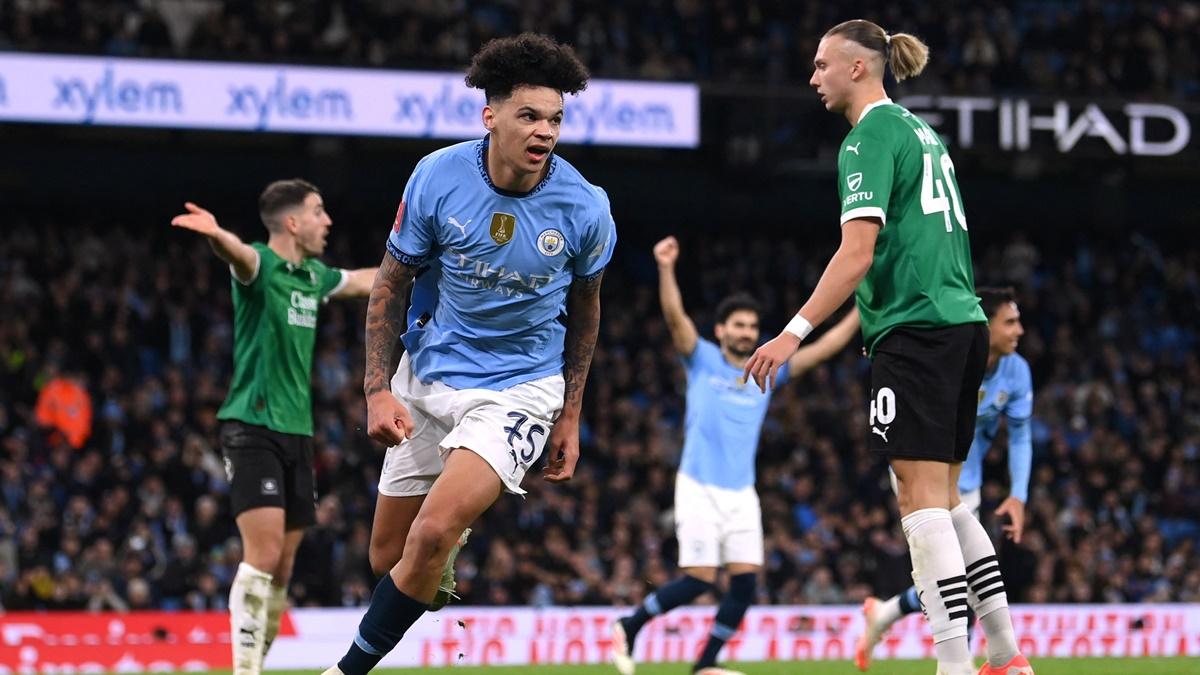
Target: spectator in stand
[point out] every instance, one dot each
(64, 407)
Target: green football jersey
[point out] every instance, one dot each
(274, 331)
(894, 167)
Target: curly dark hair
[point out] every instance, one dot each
(504, 64)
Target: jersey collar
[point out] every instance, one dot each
(481, 164)
(883, 101)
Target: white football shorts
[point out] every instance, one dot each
(507, 428)
(716, 526)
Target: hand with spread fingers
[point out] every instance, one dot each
(764, 365)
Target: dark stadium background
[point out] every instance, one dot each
(1101, 247)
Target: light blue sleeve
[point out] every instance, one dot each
(703, 357)
(597, 241)
(1019, 412)
(413, 235)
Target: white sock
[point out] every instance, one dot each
(276, 603)
(987, 595)
(940, 576)
(887, 613)
(248, 618)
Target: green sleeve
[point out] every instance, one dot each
(258, 281)
(332, 278)
(866, 167)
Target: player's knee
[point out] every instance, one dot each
(915, 495)
(263, 553)
(430, 540)
(742, 588)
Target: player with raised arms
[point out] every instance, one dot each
(718, 520)
(266, 432)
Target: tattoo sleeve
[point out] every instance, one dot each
(386, 321)
(583, 327)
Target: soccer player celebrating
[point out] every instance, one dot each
(507, 243)
(1006, 393)
(717, 516)
(266, 435)
(906, 254)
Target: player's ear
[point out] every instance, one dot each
(489, 118)
(290, 222)
(858, 69)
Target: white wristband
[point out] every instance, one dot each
(798, 326)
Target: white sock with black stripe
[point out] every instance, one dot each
(248, 597)
(987, 595)
(940, 576)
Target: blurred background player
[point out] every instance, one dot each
(1005, 394)
(266, 436)
(906, 254)
(494, 369)
(718, 520)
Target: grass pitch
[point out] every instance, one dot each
(1094, 666)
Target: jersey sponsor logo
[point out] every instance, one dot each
(854, 148)
(858, 197)
(551, 242)
(502, 228)
(734, 391)
(505, 281)
(303, 312)
(854, 181)
(1001, 399)
(270, 486)
(399, 217)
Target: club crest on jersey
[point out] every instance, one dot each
(982, 393)
(502, 228)
(551, 242)
(853, 181)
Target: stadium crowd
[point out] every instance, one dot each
(115, 353)
(1093, 47)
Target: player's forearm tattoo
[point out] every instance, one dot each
(583, 327)
(385, 321)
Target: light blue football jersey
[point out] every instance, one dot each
(489, 306)
(1006, 391)
(723, 420)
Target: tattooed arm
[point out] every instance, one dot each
(583, 327)
(388, 421)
